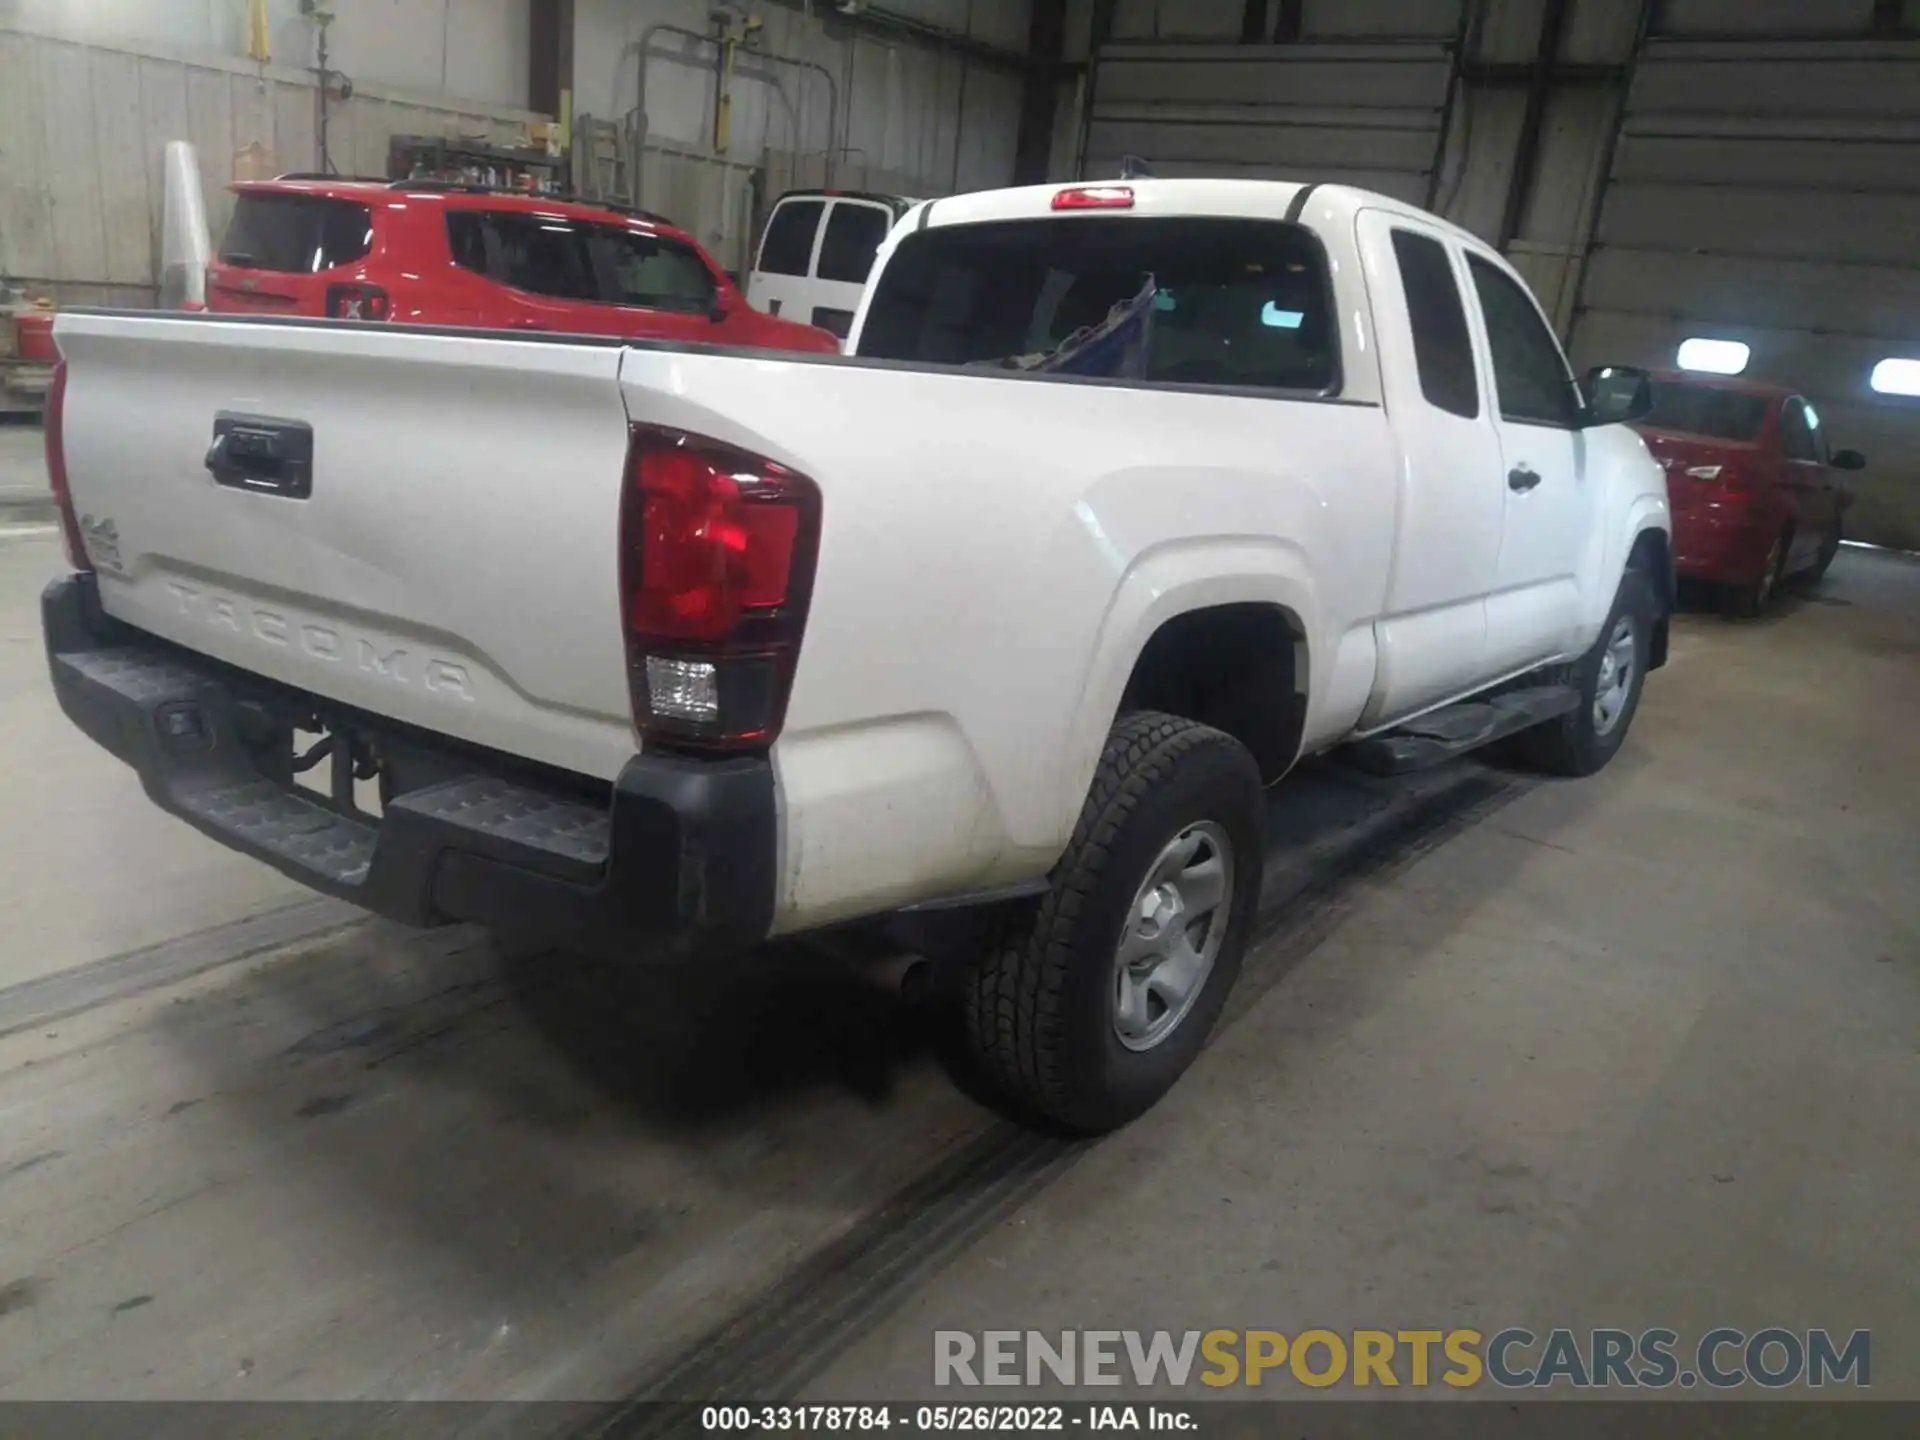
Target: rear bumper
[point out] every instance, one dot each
(675, 860)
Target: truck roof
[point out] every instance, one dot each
(1276, 199)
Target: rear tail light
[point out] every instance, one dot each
(1094, 197)
(54, 422)
(717, 551)
(358, 302)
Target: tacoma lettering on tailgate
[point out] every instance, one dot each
(377, 658)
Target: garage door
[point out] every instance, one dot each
(1361, 114)
(1770, 194)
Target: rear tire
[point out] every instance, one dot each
(1749, 601)
(1609, 678)
(1060, 1009)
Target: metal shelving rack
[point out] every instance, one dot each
(473, 161)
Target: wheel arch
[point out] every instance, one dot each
(1200, 603)
(1239, 667)
(1652, 555)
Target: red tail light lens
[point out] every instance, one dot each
(717, 552)
(358, 302)
(1094, 197)
(54, 423)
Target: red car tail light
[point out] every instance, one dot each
(54, 423)
(358, 302)
(1094, 197)
(717, 551)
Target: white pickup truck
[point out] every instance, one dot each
(657, 651)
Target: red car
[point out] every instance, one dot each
(438, 254)
(1757, 495)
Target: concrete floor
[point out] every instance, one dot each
(1640, 1050)
(23, 469)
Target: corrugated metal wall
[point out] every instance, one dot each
(1366, 114)
(83, 132)
(1770, 193)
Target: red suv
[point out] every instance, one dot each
(437, 254)
(1757, 494)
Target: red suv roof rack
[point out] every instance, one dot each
(462, 187)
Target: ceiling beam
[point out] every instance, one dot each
(1553, 27)
(1040, 91)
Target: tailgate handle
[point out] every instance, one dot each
(258, 452)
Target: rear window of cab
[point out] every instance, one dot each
(1238, 303)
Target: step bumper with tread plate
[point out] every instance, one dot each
(675, 860)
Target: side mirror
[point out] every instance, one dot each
(1617, 395)
(1849, 460)
(718, 308)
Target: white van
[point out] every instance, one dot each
(816, 252)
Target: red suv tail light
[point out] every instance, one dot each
(717, 550)
(358, 302)
(54, 422)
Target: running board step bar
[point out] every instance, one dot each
(1453, 730)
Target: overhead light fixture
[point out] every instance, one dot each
(1714, 357)
(1897, 377)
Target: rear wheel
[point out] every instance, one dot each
(1086, 1008)
(1751, 599)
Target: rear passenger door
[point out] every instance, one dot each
(1533, 593)
(543, 277)
(1431, 641)
(855, 231)
(781, 278)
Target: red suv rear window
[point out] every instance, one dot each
(296, 234)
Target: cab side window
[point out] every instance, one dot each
(1529, 373)
(1441, 348)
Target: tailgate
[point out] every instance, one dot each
(447, 557)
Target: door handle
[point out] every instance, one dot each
(1521, 479)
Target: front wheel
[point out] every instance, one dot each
(1829, 549)
(1609, 678)
(1085, 1009)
